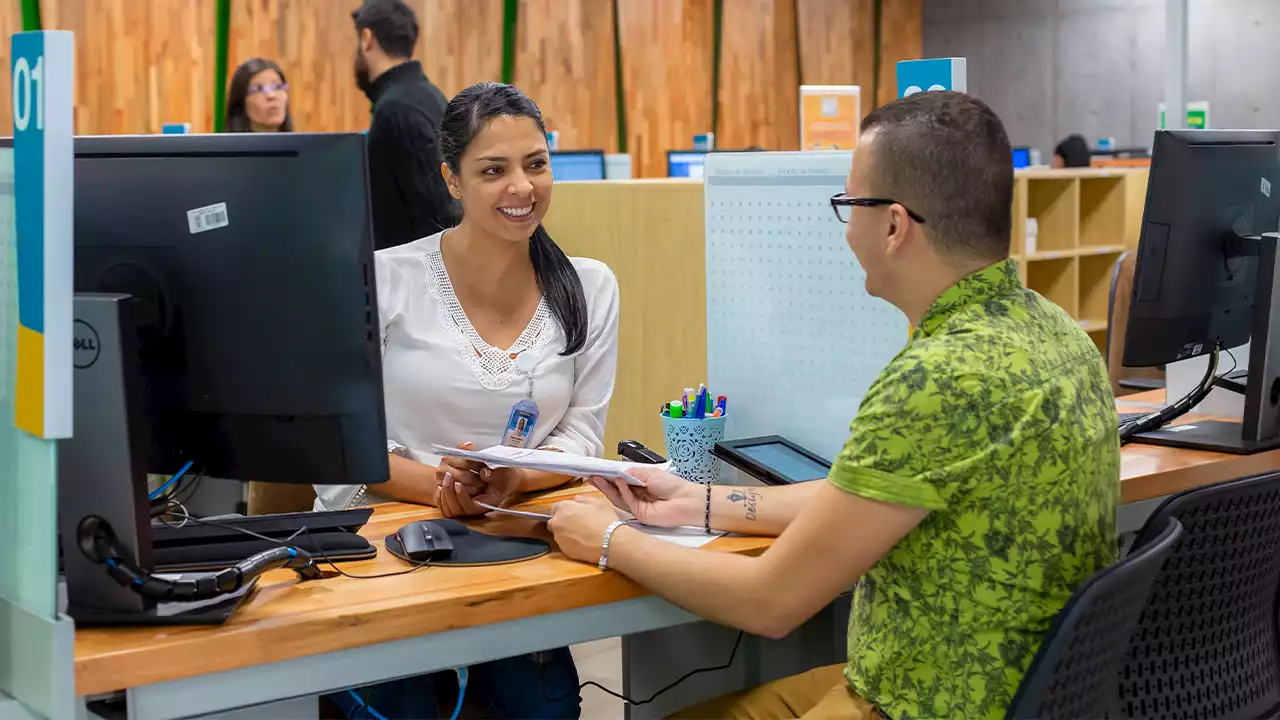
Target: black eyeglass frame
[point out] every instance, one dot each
(840, 199)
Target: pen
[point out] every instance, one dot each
(722, 405)
(700, 403)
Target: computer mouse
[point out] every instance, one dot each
(425, 540)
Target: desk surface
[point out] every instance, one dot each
(285, 620)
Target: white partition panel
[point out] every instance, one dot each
(793, 338)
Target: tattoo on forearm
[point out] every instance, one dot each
(748, 497)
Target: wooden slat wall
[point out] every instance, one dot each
(564, 61)
(459, 41)
(139, 63)
(183, 41)
(759, 84)
(10, 23)
(838, 44)
(666, 77)
(901, 27)
(314, 42)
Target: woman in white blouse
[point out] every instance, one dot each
(487, 325)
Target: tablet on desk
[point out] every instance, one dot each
(773, 459)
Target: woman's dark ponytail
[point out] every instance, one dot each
(560, 285)
(465, 116)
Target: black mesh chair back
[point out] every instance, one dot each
(1073, 675)
(1206, 644)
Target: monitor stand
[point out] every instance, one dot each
(1260, 428)
(102, 471)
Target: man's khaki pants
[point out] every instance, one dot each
(821, 694)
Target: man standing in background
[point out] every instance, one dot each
(409, 197)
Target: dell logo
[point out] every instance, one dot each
(87, 346)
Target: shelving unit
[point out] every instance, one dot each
(1085, 220)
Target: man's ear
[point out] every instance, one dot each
(366, 39)
(899, 224)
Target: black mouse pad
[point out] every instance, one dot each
(474, 548)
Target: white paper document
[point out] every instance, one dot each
(545, 460)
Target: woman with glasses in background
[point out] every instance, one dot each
(258, 100)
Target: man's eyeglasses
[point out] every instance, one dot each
(268, 87)
(840, 200)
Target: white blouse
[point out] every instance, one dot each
(444, 385)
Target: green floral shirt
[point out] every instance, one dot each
(998, 417)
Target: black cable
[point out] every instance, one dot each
(637, 703)
(319, 551)
(1182, 406)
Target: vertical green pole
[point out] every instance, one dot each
(620, 95)
(223, 24)
(717, 14)
(510, 9)
(875, 65)
(31, 15)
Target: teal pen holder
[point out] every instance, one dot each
(689, 444)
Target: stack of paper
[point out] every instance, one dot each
(545, 460)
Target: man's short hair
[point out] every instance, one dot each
(392, 23)
(946, 156)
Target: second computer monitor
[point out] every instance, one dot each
(577, 165)
(685, 163)
(1197, 273)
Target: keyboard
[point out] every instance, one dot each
(280, 526)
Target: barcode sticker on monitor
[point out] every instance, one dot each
(210, 217)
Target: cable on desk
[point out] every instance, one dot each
(591, 683)
(167, 483)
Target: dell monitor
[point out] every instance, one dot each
(577, 165)
(685, 163)
(252, 254)
(1206, 273)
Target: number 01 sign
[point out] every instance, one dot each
(42, 73)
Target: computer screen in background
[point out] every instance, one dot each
(577, 165)
(1021, 157)
(687, 164)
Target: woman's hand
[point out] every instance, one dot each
(463, 483)
(578, 526)
(665, 501)
(458, 485)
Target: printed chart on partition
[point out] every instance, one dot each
(793, 338)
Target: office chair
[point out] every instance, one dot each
(1074, 673)
(1206, 645)
(1121, 296)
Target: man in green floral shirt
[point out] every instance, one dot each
(977, 490)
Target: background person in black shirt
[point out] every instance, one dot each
(409, 197)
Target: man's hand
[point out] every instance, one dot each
(665, 501)
(579, 526)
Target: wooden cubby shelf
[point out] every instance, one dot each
(1086, 219)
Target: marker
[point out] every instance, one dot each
(722, 405)
(700, 404)
(677, 410)
(717, 413)
(688, 401)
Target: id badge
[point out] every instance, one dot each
(524, 415)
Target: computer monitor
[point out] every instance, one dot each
(685, 163)
(577, 165)
(253, 253)
(1021, 157)
(1206, 273)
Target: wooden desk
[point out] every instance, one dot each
(1150, 471)
(552, 600)
(287, 620)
